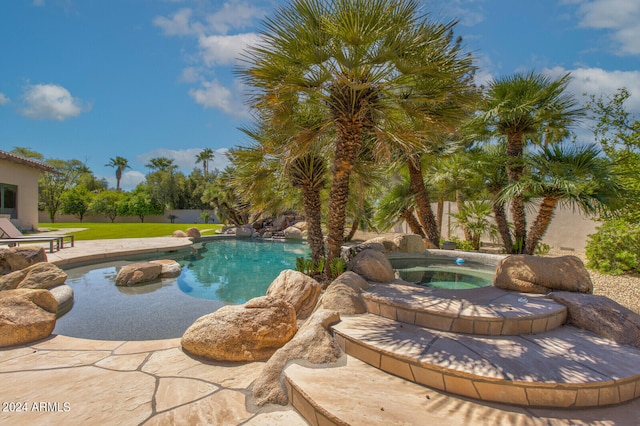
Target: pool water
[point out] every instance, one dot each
(444, 273)
(222, 272)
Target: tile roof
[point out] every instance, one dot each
(29, 162)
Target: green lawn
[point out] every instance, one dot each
(101, 231)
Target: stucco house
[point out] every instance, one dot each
(19, 189)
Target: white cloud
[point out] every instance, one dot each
(178, 24)
(190, 75)
(51, 102)
(185, 159)
(3, 99)
(234, 14)
(619, 16)
(599, 82)
(212, 94)
(224, 50)
(38, 3)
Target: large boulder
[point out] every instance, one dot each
(138, 273)
(602, 316)
(406, 243)
(249, 332)
(64, 296)
(244, 231)
(302, 225)
(194, 233)
(534, 274)
(299, 289)
(26, 315)
(292, 233)
(343, 295)
(178, 233)
(170, 268)
(313, 343)
(16, 258)
(40, 275)
(372, 265)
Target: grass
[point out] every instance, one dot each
(102, 231)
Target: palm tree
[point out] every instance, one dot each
(309, 173)
(577, 176)
(161, 164)
(398, 205)
(358, 62)
(204, 157)
(522, 105)
(120, 164)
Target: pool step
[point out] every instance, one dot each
(355, 393)
(482, 311)
(566, 367)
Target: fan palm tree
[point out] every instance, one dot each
(120, 164)
(309, 173)
(161, 164)
(577, 176)
(523, 105)
(204, 157)
(398, 205)
(358, 62)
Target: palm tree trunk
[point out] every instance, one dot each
(440, 215)
(348, 143)
(312, 209)
(500, 216)
(541, 223)
(425, 213)
(514, 171)
(412, 222)
(354, 227)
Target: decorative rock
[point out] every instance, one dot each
(194, 233)
(249, 332)
(350, 252)
(170, 268)
(292, 233)
(343, 299)
(534, 274)
(313, 343)
(352, 280)
(602, 316)
(26, 315)
(372, 265)
(40, 275)
(64, 296)
(16, 258)
(406, 243)
(138, 273)
(244, 231)
(267, 234)
(299, 289)
(179, 234)
(302, 225)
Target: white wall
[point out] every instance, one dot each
(184, 216)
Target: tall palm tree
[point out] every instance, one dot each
(519, 106)
(398, 205)
(120, 164)
(204, 157)
(577, 176)
(309, 173)
(359, 63)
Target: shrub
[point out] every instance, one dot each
(615, 248)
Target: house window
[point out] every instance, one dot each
(8, 199)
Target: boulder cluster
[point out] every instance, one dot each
(289, 227)
(33, 293)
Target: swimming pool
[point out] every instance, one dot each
(229, 271)
(448, 272)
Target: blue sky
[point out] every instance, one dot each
(95, 79)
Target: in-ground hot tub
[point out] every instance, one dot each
(447, 269)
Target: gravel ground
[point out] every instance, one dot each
(624, 289)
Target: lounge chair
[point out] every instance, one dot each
(12, 236)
